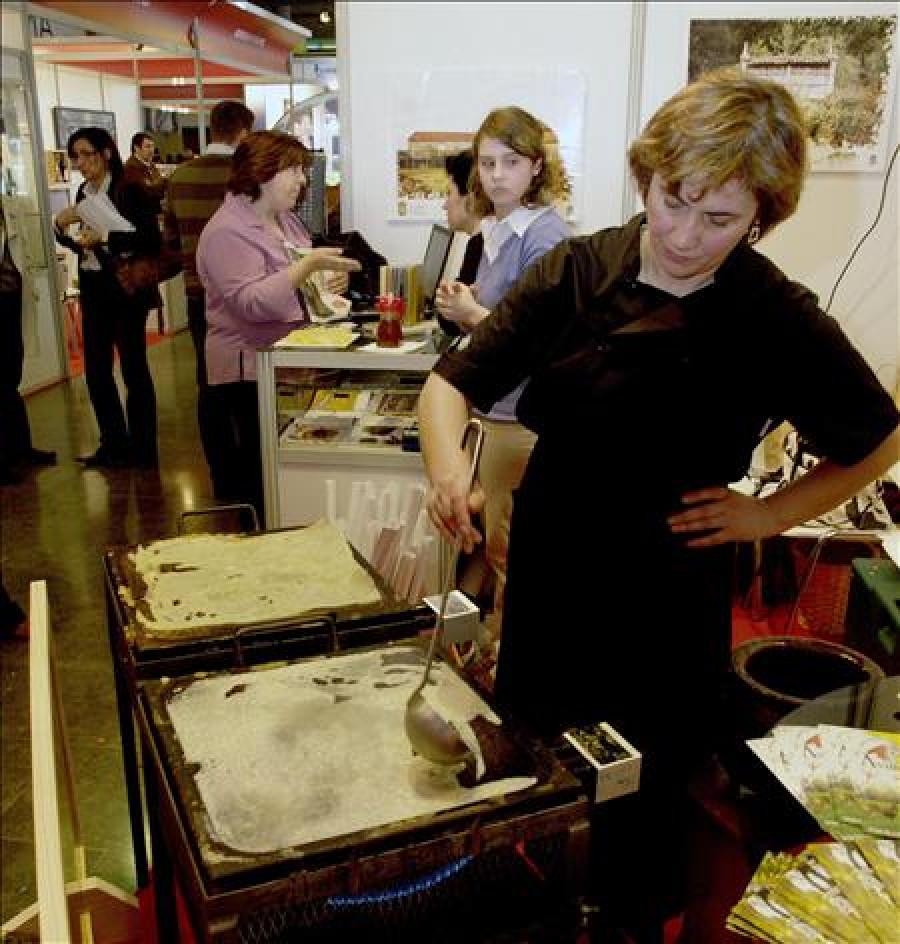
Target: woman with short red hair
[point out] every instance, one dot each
(246, 262)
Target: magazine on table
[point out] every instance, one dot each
(338, 400)
(829, 893)
(376, 430)
(396, 403)
(323, 430)
(847, 778)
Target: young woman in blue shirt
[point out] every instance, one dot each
(517, 180)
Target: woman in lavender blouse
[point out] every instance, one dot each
(247, 263)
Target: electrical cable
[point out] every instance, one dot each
(865, 236)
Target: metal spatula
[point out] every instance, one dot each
(432, 736)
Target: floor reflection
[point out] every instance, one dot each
(55, 526)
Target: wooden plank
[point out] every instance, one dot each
(115, 916)
(51, 895)
(87, 910)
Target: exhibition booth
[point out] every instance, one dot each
(217, 670)
(128, 68)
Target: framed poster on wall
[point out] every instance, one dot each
(842, 70)
(66, 120)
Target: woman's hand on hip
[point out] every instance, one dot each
(723, 515)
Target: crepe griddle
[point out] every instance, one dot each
(129, 586)
(553, 785)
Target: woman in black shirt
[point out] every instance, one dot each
(673, 347)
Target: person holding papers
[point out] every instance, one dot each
(253, 256)
(114, 321)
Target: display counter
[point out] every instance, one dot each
(339, 440)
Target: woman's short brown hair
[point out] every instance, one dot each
(524, 134)
(260, 156)
(728, 125)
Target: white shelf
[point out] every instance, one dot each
(343, 454)
(350, 359)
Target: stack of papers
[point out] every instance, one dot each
(847, 778)
(321, 337)
(835, 893)
(99, 213)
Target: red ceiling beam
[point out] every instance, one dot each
(188, 93)
(160, 69)
(167, 68)
(225, 33)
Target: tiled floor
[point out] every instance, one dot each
(56, 526)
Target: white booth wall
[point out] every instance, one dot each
(82, 88)
(376, 40)
(474, 40)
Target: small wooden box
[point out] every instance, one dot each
(616, 762)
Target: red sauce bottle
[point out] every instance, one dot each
(389, 332)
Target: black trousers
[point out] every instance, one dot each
(214, 423)
(11, 614)
(15, 433)
(238, 410)
(113, 322)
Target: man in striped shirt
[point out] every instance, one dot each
(195, 191)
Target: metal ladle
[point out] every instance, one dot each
(432, 736)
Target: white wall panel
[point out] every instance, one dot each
(46, 100)
(80, 88)
(376, 39)
(122, 97)
(11, 27)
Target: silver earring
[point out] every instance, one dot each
(753, 233)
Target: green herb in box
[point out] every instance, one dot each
(617, 763)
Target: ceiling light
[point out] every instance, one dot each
(324, 17)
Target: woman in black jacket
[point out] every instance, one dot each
(113, 320)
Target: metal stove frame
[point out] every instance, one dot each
(219, 899)
(238, 646)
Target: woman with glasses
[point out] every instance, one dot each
(114, 321)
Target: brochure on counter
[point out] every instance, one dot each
(832, 893)
(847, 778)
